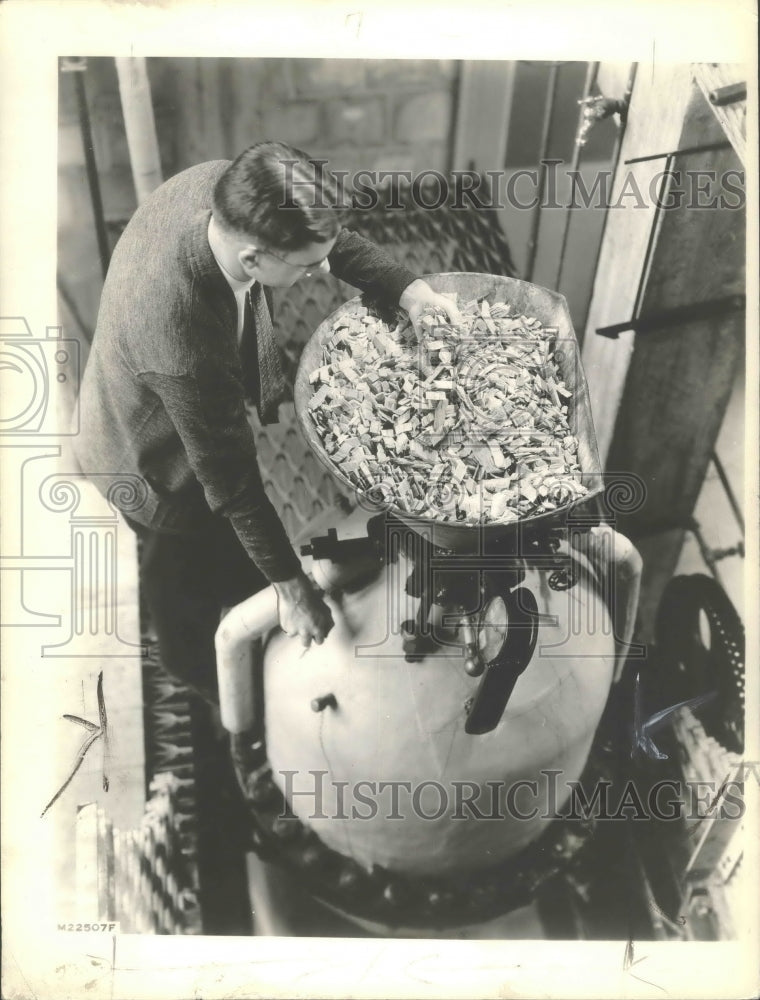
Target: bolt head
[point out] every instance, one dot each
(438, 899)
(349, 880)
(312, 856)
(394, 894)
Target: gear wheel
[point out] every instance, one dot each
(690, 607)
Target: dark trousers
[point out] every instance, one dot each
(186, 580)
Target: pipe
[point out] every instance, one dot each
(730, 94)
(591, 74)
(551, 98)
(91, 166)
(140, 125)
(614, 163)
(254, 618)
(234, 643)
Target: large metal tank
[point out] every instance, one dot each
(411, 769)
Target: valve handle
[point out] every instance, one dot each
(501, 673)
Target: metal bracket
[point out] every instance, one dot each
(705, 147)
(678, 314)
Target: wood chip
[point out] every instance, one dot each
(480, 405)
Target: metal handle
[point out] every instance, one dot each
(502, 672)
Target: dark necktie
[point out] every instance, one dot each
(262, 374)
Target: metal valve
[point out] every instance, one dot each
(513, 656)
(596, 109)
(324, 701)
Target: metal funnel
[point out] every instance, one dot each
(550, 308)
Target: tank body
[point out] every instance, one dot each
(371, 751)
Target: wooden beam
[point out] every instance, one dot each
(680, 377)
(655, 123)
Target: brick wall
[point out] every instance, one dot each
(370, 114)
(390, 114)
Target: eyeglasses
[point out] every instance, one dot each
(308, 269)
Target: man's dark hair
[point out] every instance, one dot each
(279, 195)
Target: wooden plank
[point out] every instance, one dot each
(676, 393)
(653, 126)
(659, 398)
(482, 116)
(675, 400)
(700, 252)
(665, 431)
(669, 443)
(679, 379)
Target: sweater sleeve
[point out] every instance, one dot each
(207, 410)
(368, 267)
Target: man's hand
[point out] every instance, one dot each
(302, 611)
(419, 296)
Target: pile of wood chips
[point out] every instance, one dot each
(466, 423)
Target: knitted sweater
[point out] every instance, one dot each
(162, 401)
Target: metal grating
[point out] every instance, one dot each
(295, 482)
(139, 878)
